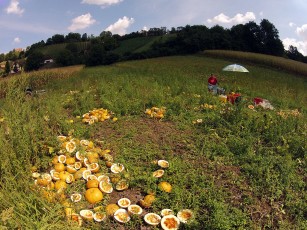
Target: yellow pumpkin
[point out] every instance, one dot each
(60, 184)
(92, 183)
(165, 186)
(111, 209)
(70, 160)
(59, 167)
(93, 195)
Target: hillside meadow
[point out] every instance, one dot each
(234, 166)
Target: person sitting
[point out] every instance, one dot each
(28, 91)
(213, 87)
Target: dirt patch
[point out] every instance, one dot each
(134, 195)
(160, 134)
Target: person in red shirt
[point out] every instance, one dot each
(212, 80)
(212, 85)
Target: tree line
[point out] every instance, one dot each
(99, 50)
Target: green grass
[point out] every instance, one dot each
(134, 45)
(54, 50)
(238, 169)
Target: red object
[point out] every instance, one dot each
(233, 97)
(257, 100)
(212, 80)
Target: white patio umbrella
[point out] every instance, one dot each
(235, 68)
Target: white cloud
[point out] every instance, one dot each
(291, 24)
(302, 32)
(145, 28)
(81, 22)
(120, 27)
(237, 19)
(14, 8)
(17, 40)
(101, 3)
(300, 45)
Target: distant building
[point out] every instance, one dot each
(48, 61)
(18, 49)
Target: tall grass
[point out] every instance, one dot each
(261, 59)
(238, 169)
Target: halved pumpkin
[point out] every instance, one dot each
(121, 215)
(135, 209)
(105, 187)
(62, 159)
(70, 146)
(76, 197)
(185, 215)
(78, 165)
(117, 168)
(86, 174)
(163, 163)
(69, 179)
(36, 175)
(122, 185)
(152, 219)
(61, 138)
(123, 202)
(94, 167)
(104, 178)
(71, 169)
(170, 222)
(166, 212)
(87, 214)
(158, 173)
(99, 216)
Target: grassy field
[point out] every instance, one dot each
(281, 63)
(234, 166)
(134, 45)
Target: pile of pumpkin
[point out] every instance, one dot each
(156, 112)
(97, 115)
(79, 162)
(288, 113)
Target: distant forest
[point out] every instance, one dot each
(99, 50)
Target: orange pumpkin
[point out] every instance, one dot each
(92, 183)
(93, 195)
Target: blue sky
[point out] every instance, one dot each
(24, 22)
